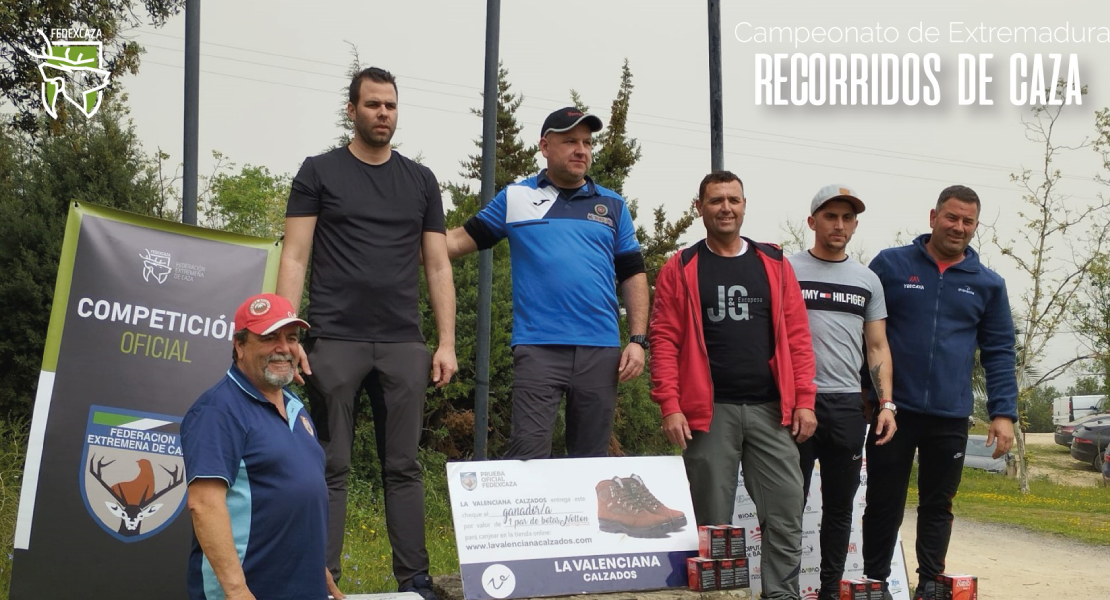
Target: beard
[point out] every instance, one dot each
(280, 380)
(366, 132)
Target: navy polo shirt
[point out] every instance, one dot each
(563, 252)
(277, 498)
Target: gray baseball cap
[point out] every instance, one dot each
(836, 192)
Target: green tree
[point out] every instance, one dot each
(20, 23)
(98, 160)
(515, 159)
(250, 202)
(616, 153)
(1054, 252)
(1036, 406)
(1085, 386)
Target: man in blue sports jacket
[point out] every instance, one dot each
(942, 304)
(570, 240)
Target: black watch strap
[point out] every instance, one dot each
(639, 339)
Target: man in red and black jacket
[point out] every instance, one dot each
(732, 370)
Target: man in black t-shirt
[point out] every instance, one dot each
(367, 213)
(732, 370)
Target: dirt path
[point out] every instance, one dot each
(1014, 564)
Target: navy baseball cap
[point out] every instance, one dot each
(568, 118)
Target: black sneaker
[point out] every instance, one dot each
(926, 590)
(886, 591)
(421, 584)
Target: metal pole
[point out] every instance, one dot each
(716, 102)
(192, 112)
(485, 257)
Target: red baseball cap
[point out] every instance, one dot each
(266, 313)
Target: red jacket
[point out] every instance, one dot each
(680, 377)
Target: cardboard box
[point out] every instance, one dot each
(737, 541)
(712, 541)
(957, 587)
(701, 574)
(740, 566)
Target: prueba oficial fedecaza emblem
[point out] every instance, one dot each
(132, 474)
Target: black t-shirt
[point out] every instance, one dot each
(736, 322)
(365, 249)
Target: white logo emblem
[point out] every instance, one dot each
(156, 265)
(498, 581)
(73, 70)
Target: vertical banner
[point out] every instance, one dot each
(571, 526)
(810, 579)
(140, 327)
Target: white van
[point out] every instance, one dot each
(1066, 409)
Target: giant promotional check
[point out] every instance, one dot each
(570, 526)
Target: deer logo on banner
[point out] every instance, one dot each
(132, 471)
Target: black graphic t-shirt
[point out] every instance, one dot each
(736, 322)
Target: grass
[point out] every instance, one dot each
(13, 443)
(1077, 513)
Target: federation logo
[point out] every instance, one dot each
(469, 480)
(307, 426)
(73, 70)
(601, 210)
(132, 472)
(156, 265)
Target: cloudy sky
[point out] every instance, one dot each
(272, 74)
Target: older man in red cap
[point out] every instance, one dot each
(256, 472)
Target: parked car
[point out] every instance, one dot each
(1064, 432)
(1089, 442)
(978, 455)
(1066, 409)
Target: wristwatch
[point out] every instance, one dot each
(639, 339)
(888, 405)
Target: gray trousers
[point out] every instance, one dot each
(541, 374)
(753, 436)
(395, 376)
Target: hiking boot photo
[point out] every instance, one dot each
(620, 511)
(650, 503)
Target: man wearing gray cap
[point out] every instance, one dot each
(845, 304)
(570, 239)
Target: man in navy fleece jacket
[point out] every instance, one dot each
(942, 304)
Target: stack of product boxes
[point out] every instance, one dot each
(722, 561)
(949, 587)
(861, 589)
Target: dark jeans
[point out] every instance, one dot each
(838, 444)
(541, 375)
(940, 443)
(395, 376)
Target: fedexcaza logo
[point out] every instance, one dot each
(156, 265)
(132, 476)
(71, 69)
